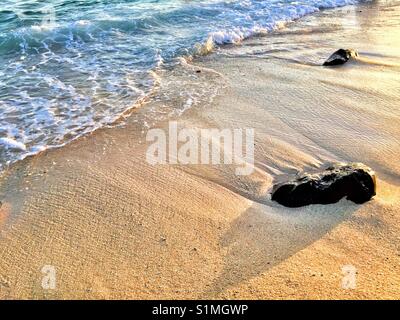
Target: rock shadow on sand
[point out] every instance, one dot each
(265, 235)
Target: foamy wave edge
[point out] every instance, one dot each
(237, 35)
(222, 37)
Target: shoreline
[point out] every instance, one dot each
(116, 227)
(204, 49)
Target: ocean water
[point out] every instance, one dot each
(68, 67)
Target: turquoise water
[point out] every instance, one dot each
(68, 67)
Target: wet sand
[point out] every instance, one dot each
(114, 226)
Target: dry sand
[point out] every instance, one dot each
(114, 226)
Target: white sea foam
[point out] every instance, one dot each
(10, 143)
(77, 70)
(271, 16)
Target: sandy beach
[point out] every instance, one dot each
(116, 227)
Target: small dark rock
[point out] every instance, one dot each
(198, 71)
(355, 181)
(340, 57)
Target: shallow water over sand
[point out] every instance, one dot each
(70, 67)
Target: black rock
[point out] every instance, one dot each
(340, 57)
(355, 181)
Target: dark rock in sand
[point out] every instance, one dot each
(355, 181)
(340, 57)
